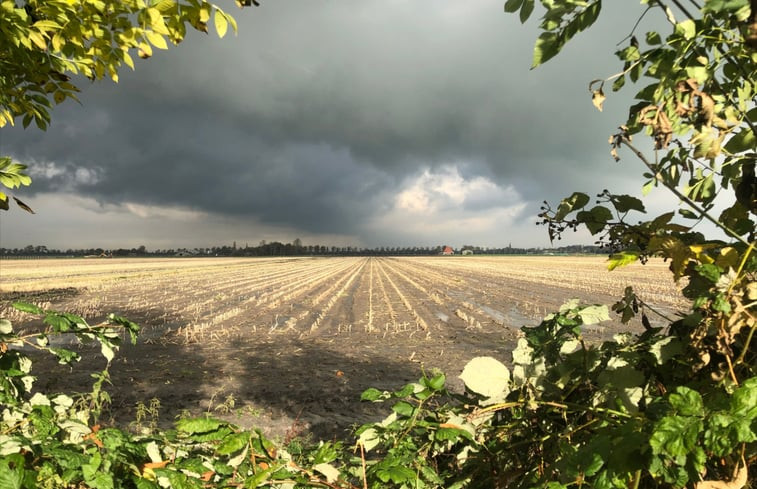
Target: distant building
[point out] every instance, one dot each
(467, 252)
(447, 250)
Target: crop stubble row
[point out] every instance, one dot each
(205, 299)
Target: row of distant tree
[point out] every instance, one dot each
(295, 248)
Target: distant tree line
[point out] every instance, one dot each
(296, 248)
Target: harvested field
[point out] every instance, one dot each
(288, 344)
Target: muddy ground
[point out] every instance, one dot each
(300, 381)
(284, 385)
(281, 383)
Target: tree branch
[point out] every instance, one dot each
(624, 139)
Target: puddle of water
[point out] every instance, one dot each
(498, 316)
(441, 316)
(511, 319)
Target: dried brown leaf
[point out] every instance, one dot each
(739, 481)
(706, 108)
(23, 206)
(598, 98)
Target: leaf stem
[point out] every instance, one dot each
(636, 479)
(741, 265)
(746, 345)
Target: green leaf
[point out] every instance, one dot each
(513, 5)
(436, 382)
(451, 434)
(12, 472)
(625, 203)
(395, 473)
(744, 399)
(404, 408)
(131, 327)
(65, 356)
(590, 15)
(745, 140)
(629, 54)
(26, 307)
(686, 401)
(59, 323)
(233, 443)
(260, 477)
(709, 271)
(595, 219)
(547, 46)
(618, 83)
(372, 394)
(717, 6)
(576, 201)
(199, 425)
(142, 483)
(653, 38)
(675, 436)
(178, 480)
(526, 10)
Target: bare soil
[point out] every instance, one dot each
(295, 363)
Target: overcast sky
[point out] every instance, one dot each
(371, 123)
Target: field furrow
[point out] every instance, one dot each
(259, 330)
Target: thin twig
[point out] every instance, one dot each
(638, 21)
(362, 460)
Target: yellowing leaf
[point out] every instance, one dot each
(729, 257)
(156, 40)
(233, 23)
(619, 260)
(700, 252)
(57, 41)
(38, 40)
(145, 51)
(156, 21)
(204, 14)
(46, 25)
(221, 23)
(687, 29)
(128, 61)
(675, 250)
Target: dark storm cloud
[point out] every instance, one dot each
(316, 113)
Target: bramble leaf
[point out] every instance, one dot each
(486, 376)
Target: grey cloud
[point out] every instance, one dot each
(314, 115)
